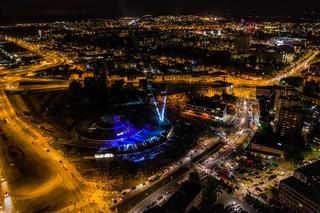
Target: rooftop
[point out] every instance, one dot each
(266, 139)
(156, 209)
(208, 104)
(183, 197)
(219, 73)
(312, 193)
(312, 169)
(316, 63)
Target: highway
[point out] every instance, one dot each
(69, 176)
(231, 140)
(32, 137)
(293, 70)
(165, 192)
(215, 160)
(85, 196)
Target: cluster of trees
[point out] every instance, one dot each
(294, 146)
(115, 92)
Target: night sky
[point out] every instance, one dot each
(14, 8)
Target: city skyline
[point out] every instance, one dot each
(38, 8)
(131, 107)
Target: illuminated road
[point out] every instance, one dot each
(67, 175)
(8, 113)
(41, 190)
(215, 160)
(232, 140)
(165, 192)
(85, 196)
(294, 70)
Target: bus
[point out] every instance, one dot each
(155, 176)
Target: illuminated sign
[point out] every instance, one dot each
(105, 155)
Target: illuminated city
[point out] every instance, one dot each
(196, 107)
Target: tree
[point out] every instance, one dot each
(75, 89)
(294, 145)
(229, 98)
(209, 196)
(118, 86)
(194, 177)
(219, 208)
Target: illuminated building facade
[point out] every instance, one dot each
(284, 97)
(116, 136)
(290, 118)
(215, 110)
(242, 43)
(300, 192)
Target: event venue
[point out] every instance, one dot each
(128, 135)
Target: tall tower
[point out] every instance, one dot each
(242, 43)
(289, 118)
(40, 34)
(284, 97)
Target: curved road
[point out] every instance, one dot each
(70, 177)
